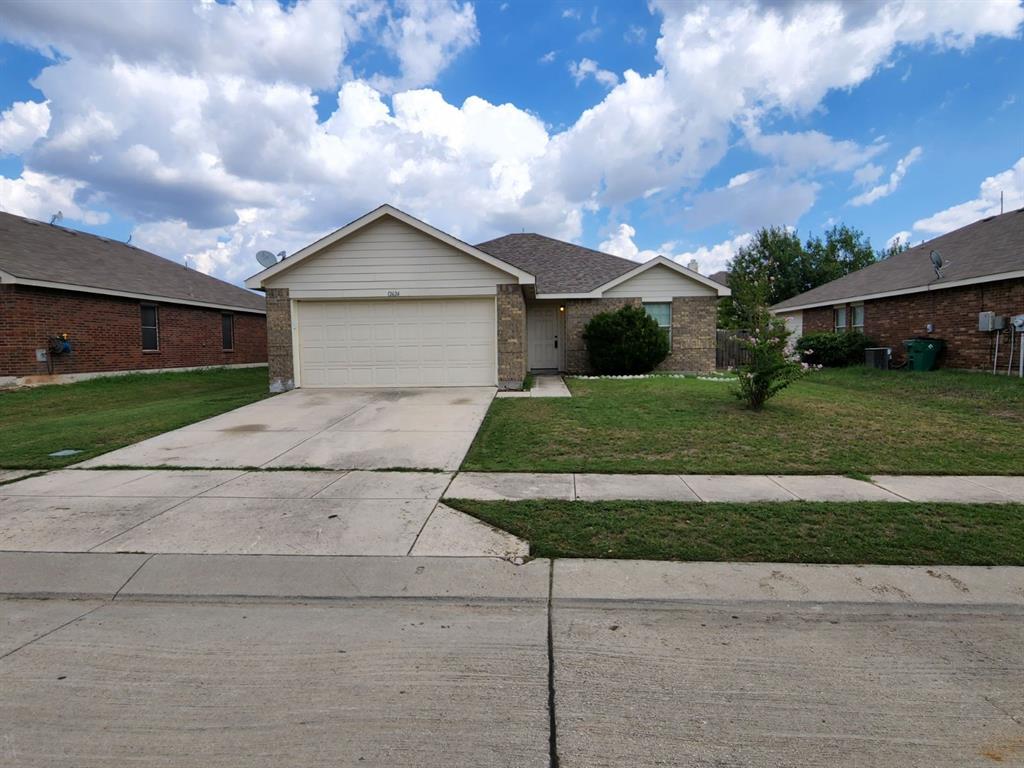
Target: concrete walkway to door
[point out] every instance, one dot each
(427, 428)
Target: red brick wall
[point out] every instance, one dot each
(954, 313)
(105, 333)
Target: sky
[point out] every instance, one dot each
(207, 131)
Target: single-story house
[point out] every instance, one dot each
(389, 300)
(121, 309)
(905, 297)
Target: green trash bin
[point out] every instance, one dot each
(923, 354)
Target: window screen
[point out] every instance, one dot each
(662, 313)
(150, 328)
(840, 318)
(227, 332)
(858, 316)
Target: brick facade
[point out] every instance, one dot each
(511, 336)
(953, 311)
(694, 321)
(280, 358)
(106, 334)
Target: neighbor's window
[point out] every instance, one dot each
(150, 328)
(227, 332)
(840, 315)
(858, 317)
(662, 313)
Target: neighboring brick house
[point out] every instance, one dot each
(391, 301)
(903, 297)
(122, 309)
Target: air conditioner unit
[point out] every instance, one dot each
(878, 357)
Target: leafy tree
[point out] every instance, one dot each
(896, 247)
(771, 368)
(776, 266)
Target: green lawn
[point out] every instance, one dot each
(100, 415)
(852, 421)
(786, 532)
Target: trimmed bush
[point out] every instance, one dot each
(627, 341)
(771, 368)
(833, 350)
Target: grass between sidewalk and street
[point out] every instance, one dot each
(882, 533)
(99, 415)
(853, 421)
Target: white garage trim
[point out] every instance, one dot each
(395, 343)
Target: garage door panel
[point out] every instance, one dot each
(404, 343)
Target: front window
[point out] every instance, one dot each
(150, 328)
(662, 313)
(840, 316)
(227, 332)
(858, 317)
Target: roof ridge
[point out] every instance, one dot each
(564, 242)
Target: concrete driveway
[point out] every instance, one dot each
(430, 428)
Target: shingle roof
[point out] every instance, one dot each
(721, 277)
(558, 267)
(32, 250)
(991, 246)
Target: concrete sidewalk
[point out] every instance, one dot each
(734, 488)
(354, 661)
(235, 512)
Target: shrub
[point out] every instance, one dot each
(627, 341)
(833, 350)
(771, 368)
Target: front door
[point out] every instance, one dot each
(542, 325)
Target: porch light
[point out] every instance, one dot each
(561, 309)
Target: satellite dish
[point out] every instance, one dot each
(936, 258)
(281, 255)
(266, 259)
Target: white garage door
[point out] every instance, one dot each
(397, 343)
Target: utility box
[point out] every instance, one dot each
(990, 321)
(878, 357)
(923, 354)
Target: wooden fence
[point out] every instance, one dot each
(729, 352)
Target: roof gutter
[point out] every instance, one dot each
(901, 292)
(7, 278)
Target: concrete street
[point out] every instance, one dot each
(209, 660)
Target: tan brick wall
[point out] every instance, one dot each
(578, 313)
(279, 340)
(693, 335)
(511, 336)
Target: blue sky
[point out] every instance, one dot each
(212, 131)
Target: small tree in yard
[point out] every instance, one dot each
(771, 368)
(625, 342)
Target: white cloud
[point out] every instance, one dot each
(571, 13)
(22, 125)
(709, 259)
(635, 35)
(39, 196)
(548, 57)
(199, 120)
(425, 39)
(588, 35)
(1010, 183)
(867, 174)
(584, 68)
(900, 237)
(884, 190)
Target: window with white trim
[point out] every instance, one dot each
(858, 317)
(839, 313)
(661, 311)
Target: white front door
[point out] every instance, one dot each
(397, 343)
(542, 326)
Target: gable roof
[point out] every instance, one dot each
(720, 289)
(44, 255)
(257, 280)
(987, 250)
(559, 267)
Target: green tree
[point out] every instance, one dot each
(776, 266)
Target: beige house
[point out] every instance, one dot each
(389, 301)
